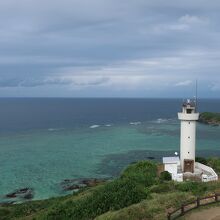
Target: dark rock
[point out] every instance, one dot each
(151, 158)
(24, 190)
(29, 195)
(70, 184)
(92, 182)
(11, 195)
(67, 180)
(71, 187)
(76, 184)
(24, 193)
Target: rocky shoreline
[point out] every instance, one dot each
(210, 118)
(67, 185)
(76, 184)
(25, 193)
(18, 195)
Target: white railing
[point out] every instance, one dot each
(212, 174)
(206, 178)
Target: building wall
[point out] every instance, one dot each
(171, 168)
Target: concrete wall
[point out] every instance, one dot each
(177, 177)
(206, 178)
(171, 168)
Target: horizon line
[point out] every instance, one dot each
(107, 97)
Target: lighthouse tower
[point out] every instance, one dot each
(188, 118)
(185, 167)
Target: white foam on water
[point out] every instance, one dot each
(135, 123)
(108, 125)
(55, 129)
(161, 120)
(94, 126)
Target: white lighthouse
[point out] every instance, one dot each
(185, 167)
(188, 118)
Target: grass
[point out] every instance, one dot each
(154, 208)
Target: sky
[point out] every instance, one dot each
(109, 48)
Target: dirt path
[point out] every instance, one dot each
(207, 214)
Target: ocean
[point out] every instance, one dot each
(44, 141)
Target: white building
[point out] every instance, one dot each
(172, 165)
(186, 165)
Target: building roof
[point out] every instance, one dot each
(171, 159)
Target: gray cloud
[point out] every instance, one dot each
(35, 82)
(102, 47)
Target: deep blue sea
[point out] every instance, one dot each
(46, 140)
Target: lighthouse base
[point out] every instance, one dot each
(188, 166)
(196, 176)
(193, 171)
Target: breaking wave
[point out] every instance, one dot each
(135, 123)
(161, 120)
(94, 126)
(55, 129)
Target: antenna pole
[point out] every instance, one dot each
(196, 93)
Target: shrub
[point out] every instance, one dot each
(215, 164)
(143, 172)
(210, 116)
(195, 187)
(201, 160)
(162, 187)
(165, 176)
(4, 213)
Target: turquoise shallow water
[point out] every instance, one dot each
(44, 158)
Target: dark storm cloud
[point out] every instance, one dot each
(109, 47)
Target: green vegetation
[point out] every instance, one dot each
(210, 118)
(143, 172)
(154, 209)
(196, 188)
(112, 196)
(139, 193)
(120, 193)
(213, 162)
(202, 160)
(165, 176)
